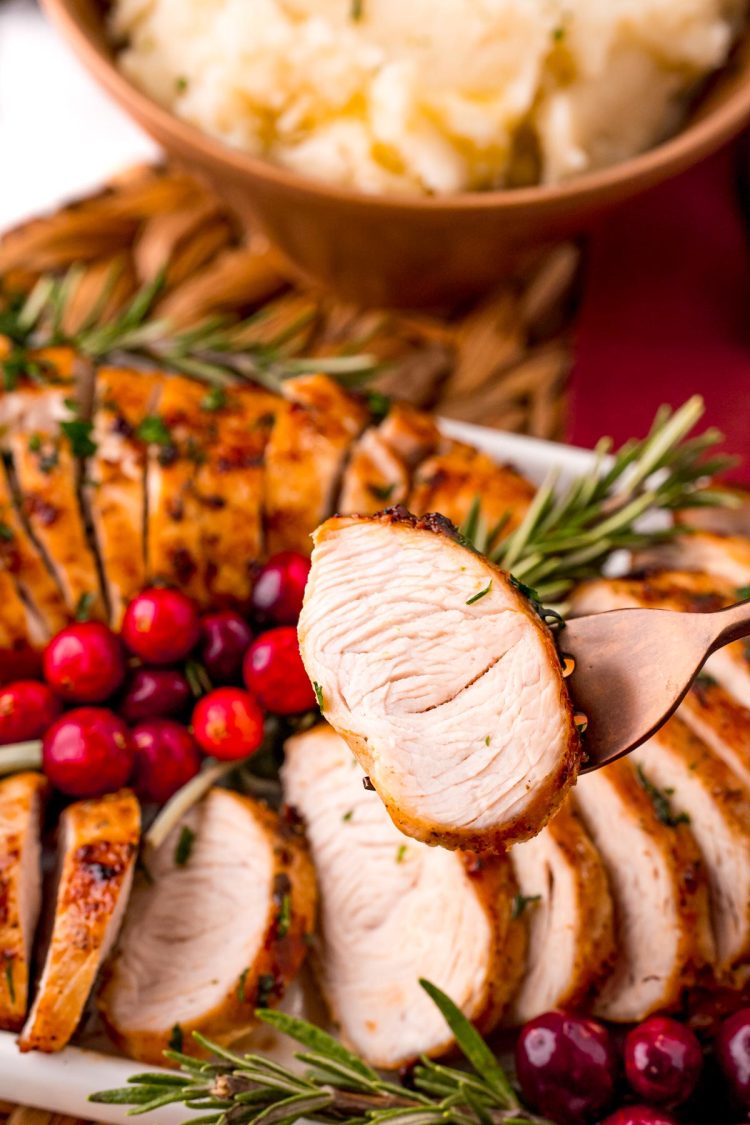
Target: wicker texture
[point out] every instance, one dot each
(502, 362)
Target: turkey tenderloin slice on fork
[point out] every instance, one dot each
(660, 892)
(441, 677)
(394, 910)
(97, 850)
(21, 806)
(218, 931)
(566, 904)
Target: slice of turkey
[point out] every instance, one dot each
(660, 894)
(97, 852)
(726, 557)
(722, 723)
(442, 679)
(701, 787)
(393, 910)
(568, 910)
(214, 934)
(21, 805)
(375, 476)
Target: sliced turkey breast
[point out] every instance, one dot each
(21, 630)
(722, 723)
(442, 679)
(410, 433)
(21, 806)
(217, 931)
(375, 478)
(691, 781)
(47, 476)
(394, 910)
(566, 904)
(660, 893)
(229, 487)
(686, 591)
(115, 490)
(24, 561)
(305, 459)
(452, 481)
(97, 851)
(726, 557)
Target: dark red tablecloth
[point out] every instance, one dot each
(666, 310)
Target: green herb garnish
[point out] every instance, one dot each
(401, 852)
(521, 902)
(285, 917)
(184, 846)
(475, 597)
(154, 431)
(78, 432)
(9, 978)
(264, 992)
(660, 799)
(83, 607)
(241, 986)
(381, 491)
(348, 815)
(318, 694)
(176, 1038)
(214, 399)
(6, 533)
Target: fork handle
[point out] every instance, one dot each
(731, 625)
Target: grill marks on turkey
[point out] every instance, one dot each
(393, 910)
(442, 679)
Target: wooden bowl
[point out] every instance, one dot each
(388, 250)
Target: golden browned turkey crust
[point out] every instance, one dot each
(375, 477)
(569, 915)
(98, 847)
(213, 936)
(47, 479)
(305, 459)
(21, 805)
(722, 723)
(452, 481)
(394, 910)
(229, 487)
(20, 557)
(406, 632)
(410, 433)
(116, 476)
(715, 802)
(664, 943)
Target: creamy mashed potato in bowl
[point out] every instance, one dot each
(428, 96)
(407, 152)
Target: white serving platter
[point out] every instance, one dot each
(63, 1082)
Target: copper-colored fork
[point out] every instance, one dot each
(633, 667)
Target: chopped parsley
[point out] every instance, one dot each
(35, 443)
(378, 404)
(476, 597)
(318, 694)
(558, 34)
(215, 399)
(176, 1038)
(285, 917)
(6, 533)
(83, 607)
(381, 491)
(660, 799)
(154, 431)
(487, 740)
(348, 815)
(78, 432)
(195, 452)
(241, 987)
(9, 979)
(520, 903)
(184, 846)
(181, 84)
(265, 989)
(743, 593)
(402, 848)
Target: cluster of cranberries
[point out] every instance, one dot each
(570, 1069)
(108, 709)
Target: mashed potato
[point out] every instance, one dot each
(428, 95)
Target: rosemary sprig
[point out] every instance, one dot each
(337, 1088)
(568, 535)
(215, 351)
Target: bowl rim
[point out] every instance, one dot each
(665, 159)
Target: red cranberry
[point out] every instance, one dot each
(166, 757)
(567, 1067)
(228, 723)
(225, 638)
(733, 1054)
(663, 1061)
(640, 1115)
(84, 663)
(274, 671)
(161, 626)
(280, 588)
(27, 708)
(88, 752)
(154, 693)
